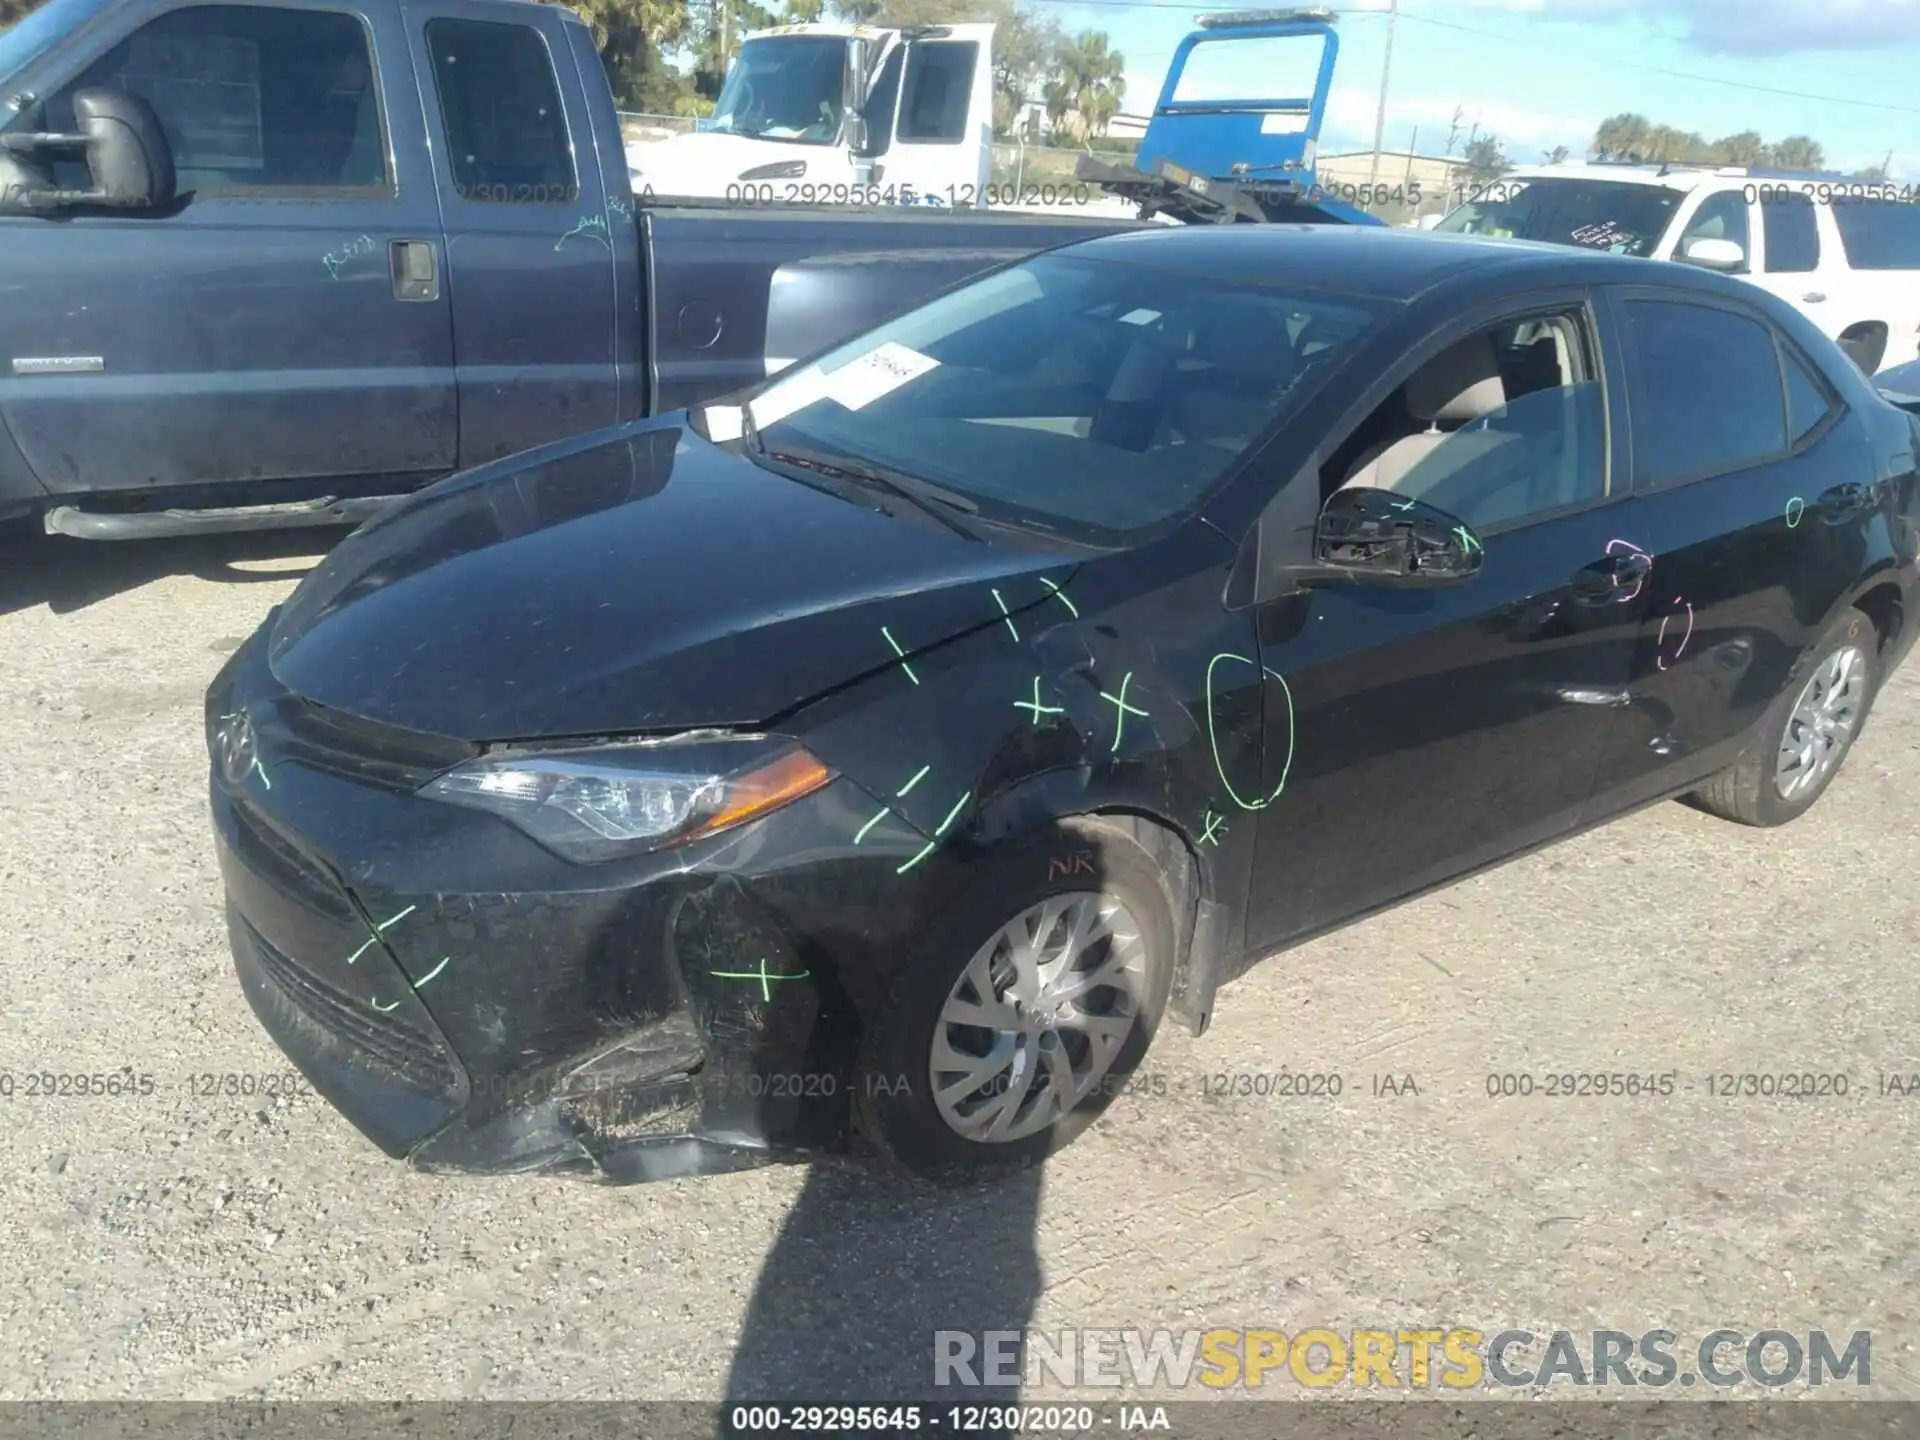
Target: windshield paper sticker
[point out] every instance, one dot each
(879, 372)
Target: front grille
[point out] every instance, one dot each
(394, 1043)
(360, 749)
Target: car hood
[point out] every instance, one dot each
(639, 580)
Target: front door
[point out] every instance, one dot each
(1414, 735)
(531, 232)
(256, 330)
(942, 141)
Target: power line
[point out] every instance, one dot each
(1521, 41)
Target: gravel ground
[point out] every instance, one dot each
(176, 1246)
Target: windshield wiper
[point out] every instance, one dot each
(922, 494)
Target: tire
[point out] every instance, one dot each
(1071, 867)
(1749, 790)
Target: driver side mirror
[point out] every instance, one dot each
(128, 159)
(853, 94)
(1376, 537)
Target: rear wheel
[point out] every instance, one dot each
(1024, 1014)
(1804, 738)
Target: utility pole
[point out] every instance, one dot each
(726, 38)
(1380, 115)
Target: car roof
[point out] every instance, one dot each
(1371, 262)
(1672, 177)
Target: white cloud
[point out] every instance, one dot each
(1749, 27)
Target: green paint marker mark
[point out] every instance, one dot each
(861, 834)
(1796, 510)
(380, 929)
(1213, 738)
(433, 972)
(1468, 539)
(925, 850)
(264, 781)
(901, 653)
(1035, 706)
(372, 940)
(1061, 596)
(1403, 505)
(765, 976)
(383, 1009)
(1004, 615)
(952, 814)
(1216, 827)
(1121, 710)
(901, 792)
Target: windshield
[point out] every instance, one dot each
(1614, 215)
(1078, 397)
(784, 87)
(23, 43)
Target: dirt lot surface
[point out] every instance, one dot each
(175, 1245)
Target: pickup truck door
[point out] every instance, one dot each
(534, 240)
(265, 327)
(941, 143)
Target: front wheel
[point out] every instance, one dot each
(1027, 1009)
(1800, 744)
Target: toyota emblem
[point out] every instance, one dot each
(235, 748)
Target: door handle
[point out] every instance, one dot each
(1844, 501)
(1813, 297)
(416, 269)
(1616, 579)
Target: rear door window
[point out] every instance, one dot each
(1808, 402)
(1879, 234)
(1706, 391)
(506, 129)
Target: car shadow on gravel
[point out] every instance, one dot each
(868, 1268)
(67, 575)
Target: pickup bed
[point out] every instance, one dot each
(272, 265)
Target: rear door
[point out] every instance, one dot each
(256, 330)
(1752, 498)
(531, 232)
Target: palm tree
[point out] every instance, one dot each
(1094, 76)
(1621, 136)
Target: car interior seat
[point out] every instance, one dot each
(1458, 386)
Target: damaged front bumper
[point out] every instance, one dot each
(473, 1003)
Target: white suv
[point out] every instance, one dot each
(1846, 253)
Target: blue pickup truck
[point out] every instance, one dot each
(265, 264)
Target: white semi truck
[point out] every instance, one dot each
(840, 113)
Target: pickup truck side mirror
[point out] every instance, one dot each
(127, 155)
(1376, 537)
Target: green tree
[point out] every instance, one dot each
(1093, 75)
(1024, 47)
(12, 10)
(1744, 148)
(1484, 160)
(1798, 152)
(1622, 136)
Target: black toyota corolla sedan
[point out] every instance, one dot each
(890, 748)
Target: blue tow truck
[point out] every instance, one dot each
(1237, 156)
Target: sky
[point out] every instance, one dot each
(1541, 73)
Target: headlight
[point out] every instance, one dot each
(778, 170)
(606, 801)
